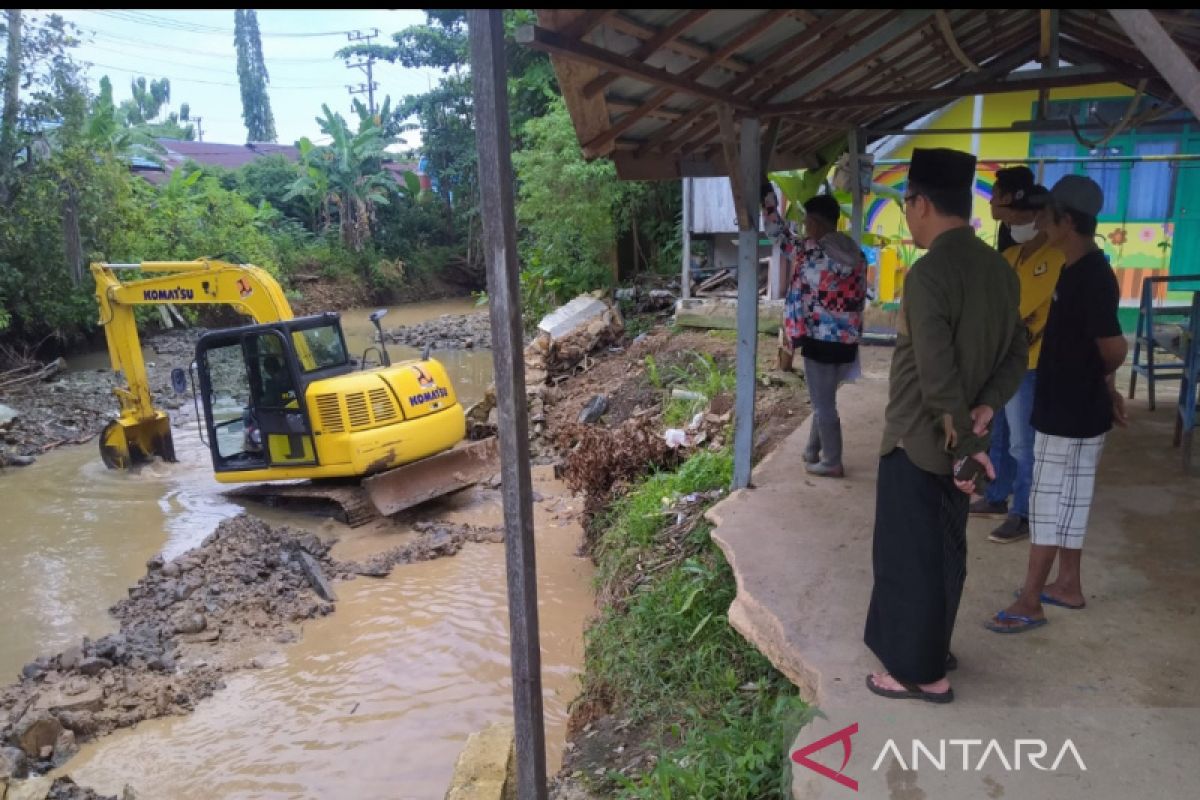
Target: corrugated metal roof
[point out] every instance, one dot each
(653, 106)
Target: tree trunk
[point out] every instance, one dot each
(71, 237)
(12, 85)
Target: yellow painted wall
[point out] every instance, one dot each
(1133, 247)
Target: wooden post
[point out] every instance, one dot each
(685, 291)
(500, 249)
(747, 200)
(856, 209)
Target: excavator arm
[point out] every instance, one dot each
(143, 431)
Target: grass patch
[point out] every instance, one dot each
(699, 374)
(668, 656)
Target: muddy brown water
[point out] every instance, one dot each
(374, 701)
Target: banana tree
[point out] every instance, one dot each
(346, 176)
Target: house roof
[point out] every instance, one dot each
(232, 156)
(648, 87)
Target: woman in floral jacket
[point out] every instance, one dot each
(824, 317)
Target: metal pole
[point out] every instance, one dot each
(685, 291)
(856, 190)
(747, 304)
(1171, 157)
(499, 240)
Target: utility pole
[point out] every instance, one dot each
(366, 66)
(199, 128)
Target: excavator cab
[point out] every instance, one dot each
(252, 386)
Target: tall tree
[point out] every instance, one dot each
(252, 75)
(12, 82)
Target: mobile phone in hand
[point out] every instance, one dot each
(968, 469)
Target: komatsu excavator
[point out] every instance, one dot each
(282, 399)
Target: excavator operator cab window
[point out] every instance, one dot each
(254, 400)
(320, 347)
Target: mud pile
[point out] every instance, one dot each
(247, 580)
(448, 332)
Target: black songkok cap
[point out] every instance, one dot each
(942, 168)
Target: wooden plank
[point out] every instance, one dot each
(649, 48)
(500, 247)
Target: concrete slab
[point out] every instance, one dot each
(1117, 679)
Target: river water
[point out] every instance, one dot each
(375, 700)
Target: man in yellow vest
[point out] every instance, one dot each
(1038, 265)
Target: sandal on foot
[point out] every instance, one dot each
(1026, 623)
(1053, 601)
(910, 692)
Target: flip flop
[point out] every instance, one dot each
(1027, 623)
(910, 692)
(1053, 601)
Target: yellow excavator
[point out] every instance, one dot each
(282, 398)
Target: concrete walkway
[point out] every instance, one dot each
(1119, 679)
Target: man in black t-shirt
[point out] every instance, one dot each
(1075, 404)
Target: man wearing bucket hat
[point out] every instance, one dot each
(1075, 404)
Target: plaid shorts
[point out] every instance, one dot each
(1064, 480)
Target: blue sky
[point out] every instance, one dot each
(194, 49)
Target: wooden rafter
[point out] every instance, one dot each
(549, 41)
(758, 27)
(947, 28)
(586, 22)
(795, 43)
(631, 27)
(849, 35)
(649, 48)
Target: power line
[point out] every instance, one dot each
(150, 20)
(115, 37)
(198, 80)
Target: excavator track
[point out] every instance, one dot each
(349, 503)
(388, 492)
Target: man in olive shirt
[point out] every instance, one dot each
(960, 355)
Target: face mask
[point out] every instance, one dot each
(1023, 233)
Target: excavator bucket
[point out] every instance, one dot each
(124, 443)
(457, 468)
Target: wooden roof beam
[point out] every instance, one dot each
(632, 27)
(947, 28)
(792, 44)
(586, 22)
(1161, 50)
(598, 144)
(648, 48)
(1018, 83)
(556, 44)
(903, 25)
